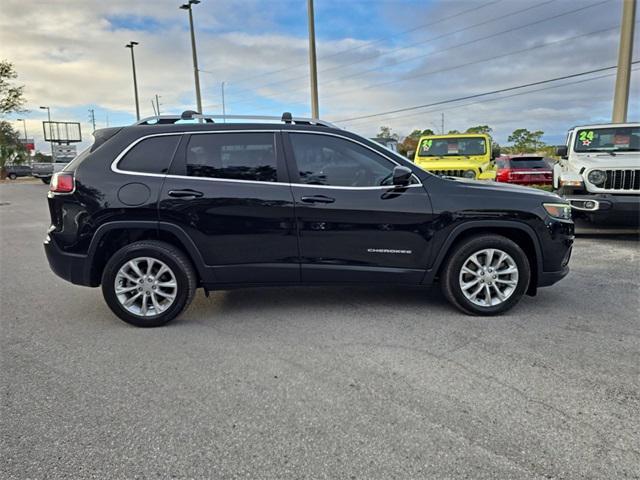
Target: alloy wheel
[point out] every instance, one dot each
(145, 286)
(488, 277)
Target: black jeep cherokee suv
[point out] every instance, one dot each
(155, 210)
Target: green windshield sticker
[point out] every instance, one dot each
(426, 145)
(586, 137)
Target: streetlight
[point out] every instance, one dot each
(196, 74)
(50, 131)
(135, 80)
(24, 125)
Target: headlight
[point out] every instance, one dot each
(469, 174)
(597, 177)
(558, 210)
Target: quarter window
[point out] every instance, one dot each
(151, 155)
(328, 160)
(237, 156)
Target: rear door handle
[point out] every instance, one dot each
(317, 199)
(186, 193)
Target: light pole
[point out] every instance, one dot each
(49, 118)
(315, 113)
(196, 73)
(625, 52)
(24, 125)
(135, 80)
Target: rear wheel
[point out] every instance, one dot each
(148, 283)
(13, 176)
(46, 180)
(486, 275)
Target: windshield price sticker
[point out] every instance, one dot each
(426, 145)
(622, 140)
(586, 137)
(452, 148)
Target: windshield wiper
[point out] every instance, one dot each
(595, 150)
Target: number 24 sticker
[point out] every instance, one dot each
(586, 137)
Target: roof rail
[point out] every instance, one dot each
(191, 115)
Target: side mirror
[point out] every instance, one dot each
(495, 153)
(562, 151)
(401, 176)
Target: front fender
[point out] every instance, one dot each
(444, 248)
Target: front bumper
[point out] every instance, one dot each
(70, 266)
(623, 210)
(549, 278)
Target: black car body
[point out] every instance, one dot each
(297, 202)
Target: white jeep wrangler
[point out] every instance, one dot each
(599, 173)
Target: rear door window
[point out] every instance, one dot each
(151, 155)
(234, 156)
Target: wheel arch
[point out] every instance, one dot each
(522, 234)
(112, 236)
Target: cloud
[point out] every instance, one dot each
(72, 57)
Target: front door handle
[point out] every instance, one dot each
(186, 193)
(317, 199)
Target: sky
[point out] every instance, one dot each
(374, 56)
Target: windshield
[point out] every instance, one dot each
(614, 139)
(443, 147)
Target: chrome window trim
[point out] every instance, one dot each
(114, 164)
(120, 156)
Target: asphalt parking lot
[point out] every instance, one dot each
(354, 383)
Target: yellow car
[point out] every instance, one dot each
(467, 155)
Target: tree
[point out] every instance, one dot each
(11, 96)
(453, 132)
(385, 132)
(525, 141)
(11, 101)
(483, 129)
(11, 148)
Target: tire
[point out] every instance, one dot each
(180, 272)
(512, 285)
(46, 180)
(12, 176)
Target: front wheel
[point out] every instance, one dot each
(148, 283)
(486, 275)
(13, 176)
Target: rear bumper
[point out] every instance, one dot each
(607, 209)
(69, 266)
(528, 182)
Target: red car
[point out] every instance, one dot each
(524, 170)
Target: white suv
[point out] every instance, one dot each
(599, 173)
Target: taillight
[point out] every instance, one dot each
(62, 182)
(504, 174)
